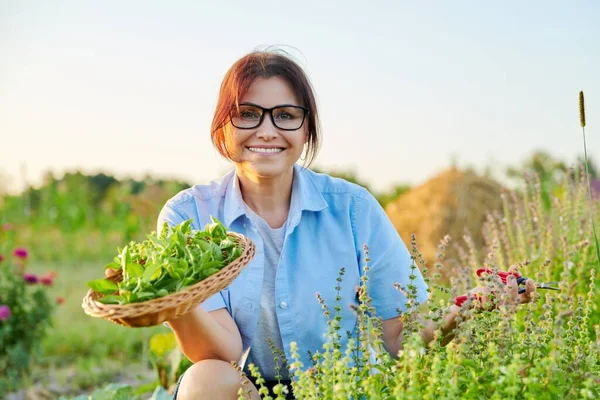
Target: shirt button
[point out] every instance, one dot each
(283, 305)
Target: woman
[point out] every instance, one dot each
(306, 226)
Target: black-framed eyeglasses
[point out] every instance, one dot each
(285, 117)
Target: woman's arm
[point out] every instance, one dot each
(205, 335)
(392, 328)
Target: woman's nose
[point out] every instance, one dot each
(267, 130)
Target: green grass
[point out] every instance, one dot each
(87, 352)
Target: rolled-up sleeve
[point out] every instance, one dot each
(173, 217)
(389, 259)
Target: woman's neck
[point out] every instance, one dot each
(268, 197)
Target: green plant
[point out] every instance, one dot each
(25, 312)
(168, 361)
(112, 391)
(167, 263)
(587, 172)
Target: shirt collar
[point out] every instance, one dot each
(306, 195)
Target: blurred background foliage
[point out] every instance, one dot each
(83, 216)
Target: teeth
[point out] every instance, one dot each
(263, 150)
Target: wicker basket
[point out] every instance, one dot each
(156, 311)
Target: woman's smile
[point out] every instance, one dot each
(266, 150)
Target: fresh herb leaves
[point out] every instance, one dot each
(167, 263)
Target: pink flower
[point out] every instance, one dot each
(47, 280)
(30, 278)
(20, 253)
(4, 312)
(7, 227)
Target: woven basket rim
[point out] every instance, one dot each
(96, 308)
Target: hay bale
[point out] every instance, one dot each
(445, 205)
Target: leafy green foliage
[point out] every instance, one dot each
(112, 391)
(80, 217)
(167, 263)
(118, 391)
(30, 317)
(166, 358)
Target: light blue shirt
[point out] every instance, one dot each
(329, 221)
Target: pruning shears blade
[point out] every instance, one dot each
(542, 285)
(548, 285)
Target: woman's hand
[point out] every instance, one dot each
(489, 297)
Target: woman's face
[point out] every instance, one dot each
(267, 151)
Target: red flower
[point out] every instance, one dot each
(30, 278)
(46, 280)
(1, 258)
(60, 300)
(20, 253)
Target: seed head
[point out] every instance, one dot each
(581, 110)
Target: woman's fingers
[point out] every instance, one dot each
(512, 289)
(487, 298)
(527, 297)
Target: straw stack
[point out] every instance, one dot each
(445, 205)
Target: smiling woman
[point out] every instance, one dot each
(305, 226)
(243, 100)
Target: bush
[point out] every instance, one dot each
(25, 312)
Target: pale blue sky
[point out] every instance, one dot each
(129, 87)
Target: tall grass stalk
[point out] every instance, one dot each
(587, 173)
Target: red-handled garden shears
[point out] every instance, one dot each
(503, 277)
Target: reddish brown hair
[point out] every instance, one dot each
(264, 64)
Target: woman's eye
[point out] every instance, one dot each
(248, 115)
(284, 115)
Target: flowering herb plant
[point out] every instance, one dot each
(167, 263)
(25, 311)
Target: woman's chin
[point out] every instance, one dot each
(266, 170)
